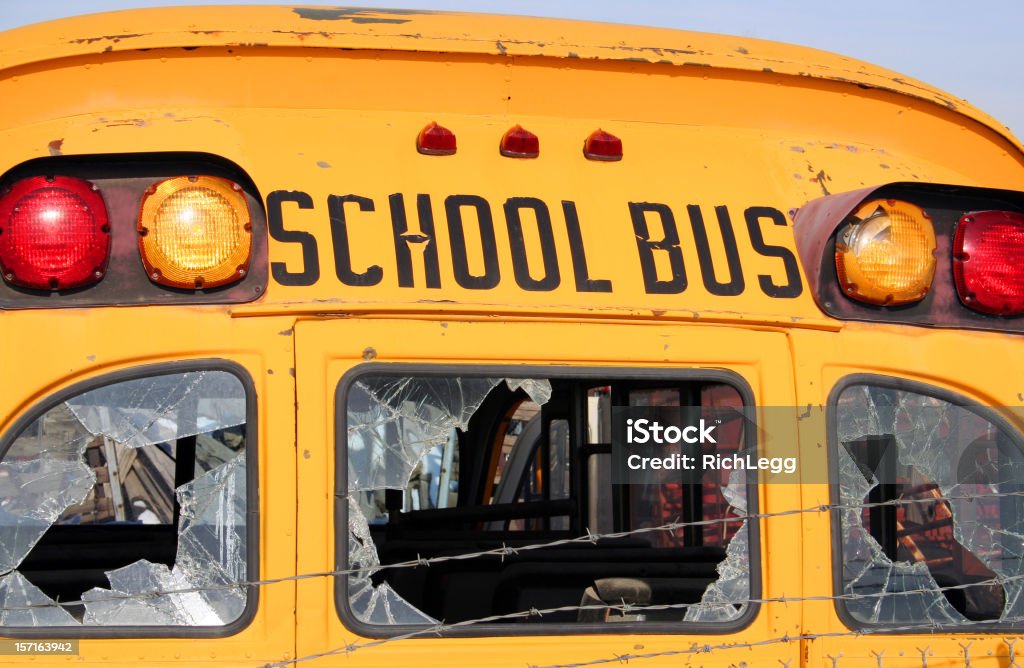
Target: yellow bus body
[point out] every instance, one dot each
(330, 103)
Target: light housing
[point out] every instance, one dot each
(602, 146)
(519, 142)
(988, 249)
(885, 255)
(54, 233)
(436, 140)
(195, 232)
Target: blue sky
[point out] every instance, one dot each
(971, 49)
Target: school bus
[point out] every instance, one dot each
(364, 337)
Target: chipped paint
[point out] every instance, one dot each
(136, 122)
(109, 38)
(55, 147)
(821, 178)
(355, 14)
(323, 164)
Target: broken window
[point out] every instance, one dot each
(441, 467)
(126, 505)
(932, 517)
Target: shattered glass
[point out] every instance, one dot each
(49, 475)
(23, 604)
(720, 600)
(161, 409)
(373, 604)
(538, 389)
(211, 558)
(950, 466)
(125, 603)
(212, 551)
(42, 475)
(392, 422)
(868, 571)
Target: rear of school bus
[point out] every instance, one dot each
(376, 338)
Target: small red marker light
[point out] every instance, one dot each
(53, 234)
(604, 146)
(436, 140)
(520, 143)
(987, 269)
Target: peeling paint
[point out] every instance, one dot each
(136, 122)
(110, 38)
(303, 34)
(822, 177)
(356, 14)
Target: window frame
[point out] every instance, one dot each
(450, 370)
(929, 390)
(53, 400)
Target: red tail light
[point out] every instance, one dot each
(436, 140)
(601, 145)
(987, 251)
(520, 143)
(53, 234)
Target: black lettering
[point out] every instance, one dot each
(669, 244)
(793, 287)
(579, 255)
(520, 263)
(342, 254)
(732, 254)
(460, 263)
(404, 241)
(310, 272)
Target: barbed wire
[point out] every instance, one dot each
(624, 607)
(509, 551)
(694, 648)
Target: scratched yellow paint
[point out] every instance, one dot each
(329, 102)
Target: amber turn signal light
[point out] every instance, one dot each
(195, 232)
(885, 255)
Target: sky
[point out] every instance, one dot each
(970, 49)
